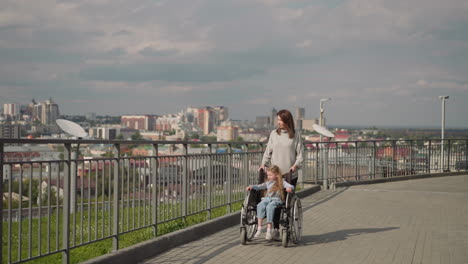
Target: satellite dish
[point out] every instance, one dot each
(322, 130)
(71, 128)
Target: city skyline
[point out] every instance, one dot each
(383, 63)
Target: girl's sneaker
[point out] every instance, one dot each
(268, 235)
(258, 233)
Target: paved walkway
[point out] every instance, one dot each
(416, 221)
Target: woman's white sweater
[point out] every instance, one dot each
(283, 151)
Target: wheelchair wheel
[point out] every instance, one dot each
(296, 221)
(248, 220)
(285, 238)
(243, 236)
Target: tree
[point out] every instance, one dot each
(137, 136)
(208, 138)
(237, 140)
(192, 135)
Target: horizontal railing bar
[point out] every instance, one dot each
(121, 142)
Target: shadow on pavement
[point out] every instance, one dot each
(341, 235)
(324, 199)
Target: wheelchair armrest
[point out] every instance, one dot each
(254, 197)
(290, 196)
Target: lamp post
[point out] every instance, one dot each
(324, 156)
(443, 98)
(321, 121)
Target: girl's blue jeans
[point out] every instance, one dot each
(267, 206)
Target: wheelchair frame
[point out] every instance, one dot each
(290, 216)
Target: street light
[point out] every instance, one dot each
(321, 121)
(443, 98)
(324, 156)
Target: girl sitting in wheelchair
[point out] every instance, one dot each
(274, 197)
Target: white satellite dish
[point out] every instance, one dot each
(71, 128)
(322, 130)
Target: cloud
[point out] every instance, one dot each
(449, 85)
(375, 58)
(122, 32)
(176, 89)
(168, 72)
(259, 101)
(150, 52)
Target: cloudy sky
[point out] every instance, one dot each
(383, 62)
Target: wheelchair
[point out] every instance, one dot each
(290, 216)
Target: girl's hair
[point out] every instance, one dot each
(288, 121)
(278, 185)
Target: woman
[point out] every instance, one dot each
(284, 149)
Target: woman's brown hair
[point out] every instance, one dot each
(278, 185)
(288, 121)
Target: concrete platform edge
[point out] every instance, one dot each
(400, 178)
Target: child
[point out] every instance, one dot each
(274, 197)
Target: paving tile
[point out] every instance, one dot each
(415, 221)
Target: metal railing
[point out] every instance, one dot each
(365, 160)
(52, 206)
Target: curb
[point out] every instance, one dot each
(158, 245)
(400, 178)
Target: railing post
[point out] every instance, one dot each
(209, 179)
(1, 205)
(245, 179)
(116, 214)
(449, 150)
(466, 155)
(229, 180)
(185, 182)
(394, 169)
(73, 166)
(411, 158)
(155, 188)
(317, 164)
(302, 172)
(356, 169)
(374, 168)
(429, 156)
(66, 206)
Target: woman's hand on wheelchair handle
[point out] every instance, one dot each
(289, 190)
(248, 188)
(293, 168)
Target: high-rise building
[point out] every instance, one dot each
(35, 111)
(192, 115)
(227, 133)
(10, 110)
(168, 122)
(107, 133)
(273, 117)
(139, 122)
(300, 113)
(46, 112)
(49, 112)
(262, 122)
(8, 130)
(206, 119)
(222, 114)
